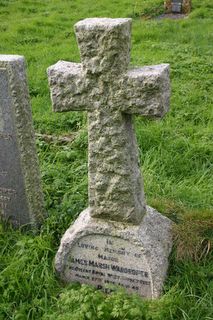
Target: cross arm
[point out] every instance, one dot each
(146, 91)
(67, 87)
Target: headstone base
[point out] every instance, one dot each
(99, 252)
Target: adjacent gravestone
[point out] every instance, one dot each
(118, 239)
(177, 6)
(21, 198)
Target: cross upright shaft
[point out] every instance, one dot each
(110, 93)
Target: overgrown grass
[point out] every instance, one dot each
(176, 156)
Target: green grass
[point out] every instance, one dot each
(176, 157)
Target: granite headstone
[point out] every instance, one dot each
(118, 239)
(178, 6)
(21, 198)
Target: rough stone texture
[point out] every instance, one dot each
(101, 252)
(21, 198)
(186, 6)
(102, 85)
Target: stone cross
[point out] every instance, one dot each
(21, 198)
(118, 239)
(111, 94)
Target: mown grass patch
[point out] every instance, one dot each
(176, 156)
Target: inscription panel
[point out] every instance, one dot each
(13, 204)
(101, 260)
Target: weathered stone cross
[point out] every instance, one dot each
(111, 94)
(99, 251)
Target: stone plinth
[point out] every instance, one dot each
(101, 252)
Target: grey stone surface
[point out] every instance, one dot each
(111, 94)
(101, 252)
(21, 198)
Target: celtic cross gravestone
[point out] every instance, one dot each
(118, 239)
(21, 198)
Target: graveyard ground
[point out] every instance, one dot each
(176, 157)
